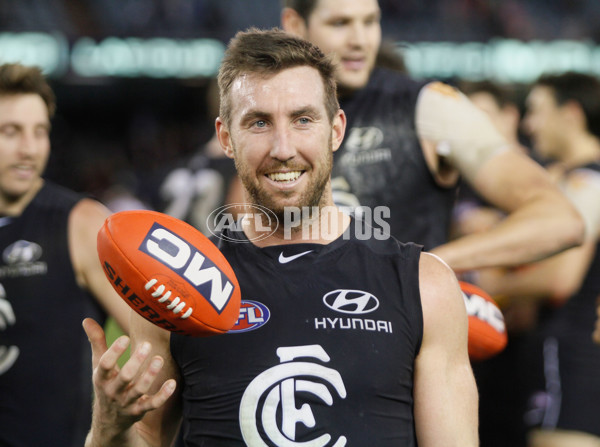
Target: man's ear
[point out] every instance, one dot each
(574, 113)
(224, 137)
(293, 23)
(338, 130)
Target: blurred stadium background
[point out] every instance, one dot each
(132, 76)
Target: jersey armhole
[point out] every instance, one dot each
(409, 276)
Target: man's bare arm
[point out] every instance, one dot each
(445, 391)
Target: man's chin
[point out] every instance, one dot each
(352, 81)
(14, 193)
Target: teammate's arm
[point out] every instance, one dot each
(445, 391)
(540, 222)
(559, 276)
(137, 405)
(85, 220)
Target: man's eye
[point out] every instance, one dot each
(41, 132)
(260, 123)
(8, 131)
(303, 120)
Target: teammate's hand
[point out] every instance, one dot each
(121, 393)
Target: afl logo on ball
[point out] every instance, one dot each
(351, 301)
(252, 316)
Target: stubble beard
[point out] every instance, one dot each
(312, 196)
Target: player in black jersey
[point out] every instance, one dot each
(50, 277)
(201, 183)
(505, 382)
(408, 141)
(597, 328)
(563, 119)
(343, 339)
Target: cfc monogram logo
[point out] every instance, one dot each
(275, 389)
(8, 354)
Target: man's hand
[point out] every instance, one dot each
(121, 394)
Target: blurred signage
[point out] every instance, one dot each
(113, 56)
(502, 60)
(50, 52)
(156, 57)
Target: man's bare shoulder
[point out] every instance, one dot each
(440, 291)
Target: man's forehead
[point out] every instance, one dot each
(284, 76)
(20, 107)
(541, 94)
(21, 99)
(251, 88)
(328, 9)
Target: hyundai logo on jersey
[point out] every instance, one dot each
(351, 301)
(252, 316)
(21, 252)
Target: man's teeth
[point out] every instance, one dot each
(284, 176)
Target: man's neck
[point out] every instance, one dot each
(325, 228)
(15, 207)
(583, 149)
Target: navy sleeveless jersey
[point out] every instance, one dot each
(572, 359)
(323, 352)
(381, 163)
(45, 360)
(582, 305)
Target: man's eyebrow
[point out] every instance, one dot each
(306, 110)
(18, 125)
(253, 115)
(341, 16)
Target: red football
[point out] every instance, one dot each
(487, 332)
(169, 273)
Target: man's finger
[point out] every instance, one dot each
(107, 364)
(146, 379)
(97, 339)
(133, 367)
(148, 403)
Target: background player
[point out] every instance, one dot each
(563, 119)
(407, 142)
(203, 182)
(50, 277)
(280, 120)
(597, 329)
(506, 381)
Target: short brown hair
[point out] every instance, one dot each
(268, 52)
(17, 79)
(303, 7)
(582, 88)
(500, 93)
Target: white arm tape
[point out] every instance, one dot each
(582, 187)
(463, 134)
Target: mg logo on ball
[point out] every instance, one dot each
(189, 263)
